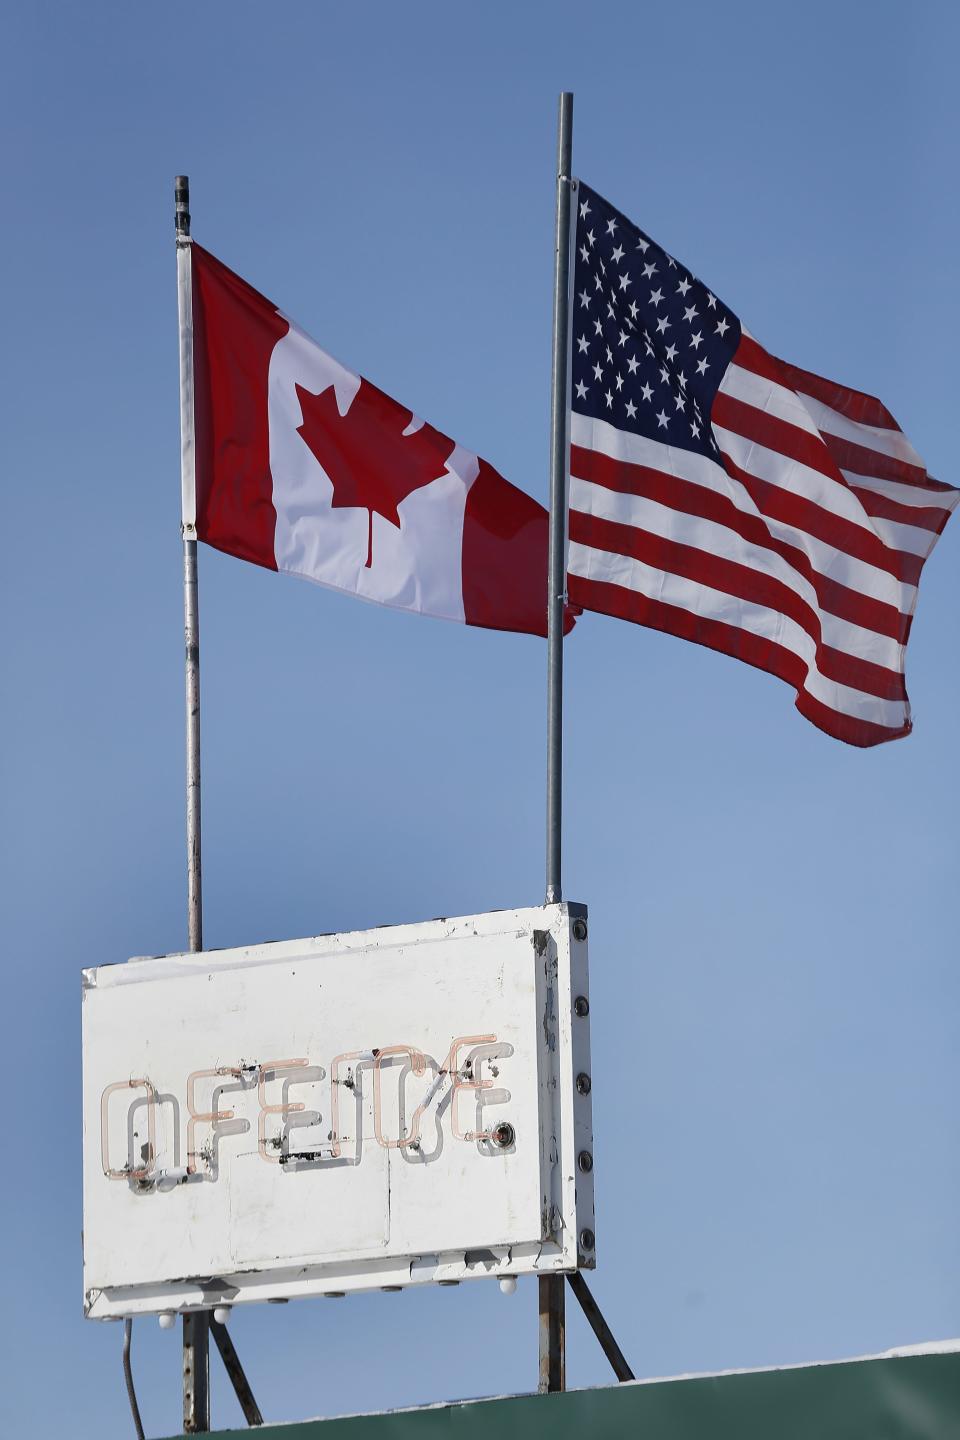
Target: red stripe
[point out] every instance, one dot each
(782, 504)
(234, 333)
(925, 517)
(846, 455)
(751, 356)
(936, 487)
(861, 409)
(505, 536)
(752, 586)
(863, 461)
(862, 733)
(692, 499)
(775, 434)
(716, 635)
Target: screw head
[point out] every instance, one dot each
(585, 1161)
(583, 1084)
(579, 928)
(581, 1006)
(588, 1240)
(504, 1135)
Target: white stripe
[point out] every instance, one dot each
(784, 404)
(757, 620)
(909, 539)
(188, 483)
(904, 494)
(790, 474)
(776, 400)
(768, 396)
(856, 574)
(719, 540)
(798, 479)
(872, 437)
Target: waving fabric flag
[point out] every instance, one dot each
(722, 495)
(305, 467)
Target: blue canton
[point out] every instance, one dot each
(650, 342)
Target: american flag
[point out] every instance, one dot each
(722, 495)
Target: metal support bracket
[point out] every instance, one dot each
(238, 1379)
(600, 1327)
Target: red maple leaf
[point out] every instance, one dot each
(371, 464)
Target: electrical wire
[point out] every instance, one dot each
(128, 1378)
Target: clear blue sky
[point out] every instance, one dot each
(773, 940)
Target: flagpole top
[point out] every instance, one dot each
(564, 135)
(181, 197)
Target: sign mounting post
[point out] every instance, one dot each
(552, 1363)
(196, 1336)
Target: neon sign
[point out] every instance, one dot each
(451, 1078)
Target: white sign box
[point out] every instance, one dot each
(383, 1108)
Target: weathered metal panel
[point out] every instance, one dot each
(910, 1398)
(387, 1107)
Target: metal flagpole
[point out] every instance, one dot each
(552, 1343)
(196, 1325)
(556, 564)
(191, 616)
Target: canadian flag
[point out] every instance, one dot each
(303, 466)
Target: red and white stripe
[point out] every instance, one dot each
(800, 554)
